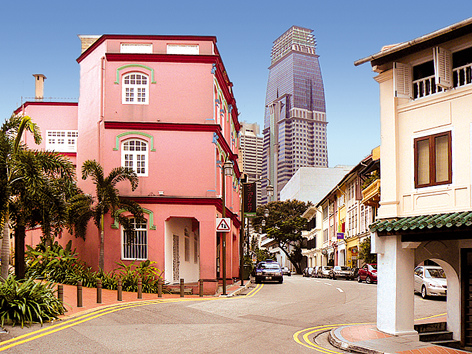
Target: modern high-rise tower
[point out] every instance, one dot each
(251, 152)
(295, 115)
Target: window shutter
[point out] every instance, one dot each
(442, 67)
(402, 80)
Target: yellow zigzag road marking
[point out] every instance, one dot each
(302, 336)
(101, 312)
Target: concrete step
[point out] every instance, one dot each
(448, 343)
(435, 336)
(431, 327)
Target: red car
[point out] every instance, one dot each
(368, 273)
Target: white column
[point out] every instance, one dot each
(395, 297)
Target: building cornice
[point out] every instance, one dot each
(174, 200)
(43, 103)
(181, 127)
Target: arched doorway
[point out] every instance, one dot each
(182, 250)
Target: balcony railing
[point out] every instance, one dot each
(371, 194)
(462, 75)
(426, 86)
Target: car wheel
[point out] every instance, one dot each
(368, 280)
(424, 295)
(290, 274)
(258, 281)
(281, 281)
(359, 280)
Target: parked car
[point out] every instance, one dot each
(354, 273)
(323, 271)
(430, 281)
(340, 272)
(315, 271)
(268, 270)
(307, 272)
(368, 273)
(286, 271)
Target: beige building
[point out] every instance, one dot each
(425, 208)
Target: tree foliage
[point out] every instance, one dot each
(365, 253)
(107, 199)
(284, 225)
(34, 187)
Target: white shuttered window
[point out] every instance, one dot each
(402, 77)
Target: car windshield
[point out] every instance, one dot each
(344, 268)
(434, 273)
(269, 266)
(328, 267)
(372, 266)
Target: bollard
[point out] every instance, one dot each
(79, 294)
(60, 293)
(159, 287)
(140, 288)
(99, 291)
(201, 287)
(119, 290)
(181, 288)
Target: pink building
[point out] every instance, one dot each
(164, 106)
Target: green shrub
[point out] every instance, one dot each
(129, 276)
(61, 265)
(29, 301)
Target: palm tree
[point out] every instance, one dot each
(46, 207)
(25, 180)
(84, 207)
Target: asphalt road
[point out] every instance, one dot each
(270, 319)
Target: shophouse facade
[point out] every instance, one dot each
(426, 172)
(164, 106)
(345, 219)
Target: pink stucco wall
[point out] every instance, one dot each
(182, 162)
(50, 116)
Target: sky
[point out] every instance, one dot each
(40, 37)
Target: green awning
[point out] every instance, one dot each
(434, 222)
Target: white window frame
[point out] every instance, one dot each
(136, 249)
(134, 91)
(136, 48)
(62, 140)
(186, 49)
(131, 154)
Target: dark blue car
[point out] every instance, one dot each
(268, 270)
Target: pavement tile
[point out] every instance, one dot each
(109, 297)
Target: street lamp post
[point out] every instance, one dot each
(226, 170)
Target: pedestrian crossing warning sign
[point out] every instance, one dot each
(222, 224)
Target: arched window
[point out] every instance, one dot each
(135, 89)
(134, 155)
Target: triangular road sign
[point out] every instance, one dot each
(222, 224)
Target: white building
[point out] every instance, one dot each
(310, 184)
(251, 154)
(426, 174)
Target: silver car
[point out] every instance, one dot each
(323, 271)
(430, 281)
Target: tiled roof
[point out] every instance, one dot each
(423, 223)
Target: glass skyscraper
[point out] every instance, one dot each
(295, 115)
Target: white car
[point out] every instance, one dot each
(430, 281)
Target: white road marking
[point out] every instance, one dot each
(340, 290)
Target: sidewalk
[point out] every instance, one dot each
(109, 297)
(368, 339)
